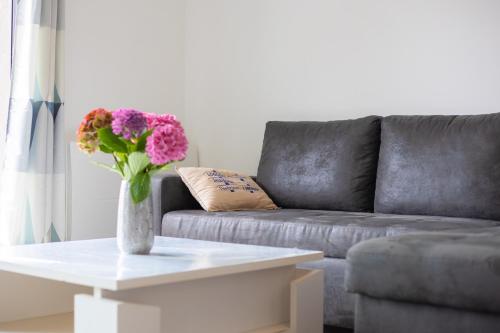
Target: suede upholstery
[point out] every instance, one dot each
(338, 305)
(169, 194)
(333, 232)
(321, 165)
(460, 270)
(438, 185)
(386, 316)
(440, 165)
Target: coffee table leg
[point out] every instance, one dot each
(306, 302)
(278, 300)
(99, 315)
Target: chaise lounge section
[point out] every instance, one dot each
(341, 183)
(427, 282)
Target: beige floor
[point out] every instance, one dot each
(62, 323)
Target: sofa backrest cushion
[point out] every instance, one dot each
(440, 165)
(321, 165)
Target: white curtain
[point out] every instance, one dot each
(32, 183)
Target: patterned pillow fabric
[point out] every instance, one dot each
(224, 190)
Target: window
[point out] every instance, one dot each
(5, 63)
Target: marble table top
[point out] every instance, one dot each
(97, 263)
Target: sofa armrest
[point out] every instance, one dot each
(169, 194)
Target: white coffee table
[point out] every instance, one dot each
(184, 286)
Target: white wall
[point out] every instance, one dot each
(119, 53)
(250, 61)
(225, 67)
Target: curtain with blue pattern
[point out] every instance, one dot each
(32, 184)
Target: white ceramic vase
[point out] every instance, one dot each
(135, 223)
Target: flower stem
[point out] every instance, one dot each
(118, 164)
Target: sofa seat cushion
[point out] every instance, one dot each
(332, 232)
(460, 270)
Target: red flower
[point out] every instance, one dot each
(86, 136)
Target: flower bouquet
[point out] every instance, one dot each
(141, 144)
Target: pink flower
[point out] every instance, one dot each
(155, 120)
(168, 142)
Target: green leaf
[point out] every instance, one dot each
(156, 168)
(120, 165)
(137, 162)
(140, 187)
(126, 172)
(105, 149)
(141, 142)
(111, 140)
(112, 168)
(166, 167)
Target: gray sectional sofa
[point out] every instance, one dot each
(413, 203)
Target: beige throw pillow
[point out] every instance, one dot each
(223, 190)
